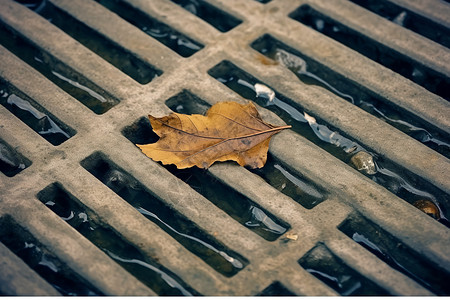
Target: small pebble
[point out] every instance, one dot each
(428, 207)
(364, 163)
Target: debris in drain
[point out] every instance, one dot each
(264, 91)
(329, 136)
(229, 131)
(428, 207)
(11, 162)
(299, 67)
(364, 163)
(292, 236)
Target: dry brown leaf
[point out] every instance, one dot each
(229, 131)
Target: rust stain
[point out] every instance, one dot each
(265, 60)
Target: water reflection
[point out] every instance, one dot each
(39, 121)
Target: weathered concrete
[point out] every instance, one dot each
(348, 191)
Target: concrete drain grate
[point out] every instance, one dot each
(353, 200)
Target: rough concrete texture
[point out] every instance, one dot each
(348, 192)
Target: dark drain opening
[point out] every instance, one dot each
(186, 102)
(408, 19)
(63, 76)
(312, 72)
(43, 261)
(276, 289)
(274, 172)
(397, 255)
(332, 271)
(179, 227)
(239, 207)
(144, 268)
(122, 59)
(395, 178)
(291, 183)
(221, 20)
(176, 41)
(34, 115)
(11, 161)
(430, 79)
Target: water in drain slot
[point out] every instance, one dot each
(290, 183)
(35, 116)
(186, 102)
(331, 270)
(122, 59)
(408, 19)
(11, 161)
(180, 228)
(44, 262)
(221, 20)
(395, 178)
(63, 76)
(430, 79)
(176, 41)
(155, 276)
(394, 253)
(311, 72)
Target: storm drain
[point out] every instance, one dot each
(353, 200)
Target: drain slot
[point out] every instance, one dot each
(310, 71)
(397, 62)
(119, 57)
(63, 76)
(41, 260)
(239, 207)
(155, 276)
(331, 270)
(219, 19)
(394, 253)
(391, 176)
(186, 102)
(176, 41)
(276, 289)
(35, 116)
(408, 19)
(181, 229)
(290, 183)
(11, 161)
